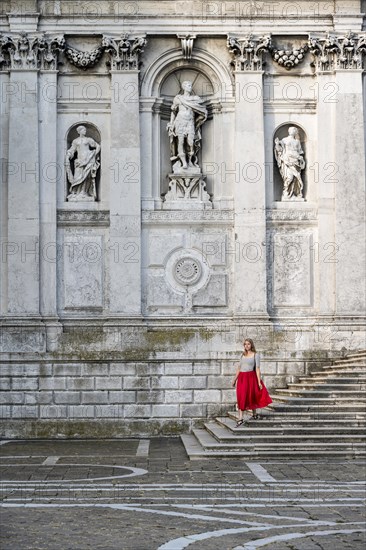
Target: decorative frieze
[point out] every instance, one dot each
(189, 216)
(124, 51)
(28, 51)
(338, 52)
(83, 218)
(293, 215)
(248, 51)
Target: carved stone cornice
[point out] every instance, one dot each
(84, 60)
(188, 216)
(289, 58)
(124, 51)
(291, 215)
(23, 51)
(338, 51)
(83, 218)
(248, 51)
(187, 41)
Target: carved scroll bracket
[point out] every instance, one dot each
(187, 41)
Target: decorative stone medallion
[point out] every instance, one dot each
(187, 271)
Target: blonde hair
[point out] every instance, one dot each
(252, 346)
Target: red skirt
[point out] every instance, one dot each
(248, 394)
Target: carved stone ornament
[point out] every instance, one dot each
(187, 271)
(289, 58)
(248, 51)
(222, 217)
(124, 51)
(187, 193)
(83, 218)
(84, 60)
(291, 215)
(187, 41)
(28, 51)
(338, 52)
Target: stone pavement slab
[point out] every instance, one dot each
(146, 495)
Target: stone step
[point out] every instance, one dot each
(361, 353)
(320, 393)
(309, 398)
(248, 434)
(323, 415)
(296, 417)
(333, 386)
(209, 442)
(312, 380)
(349, 361)
(195, 451)
(317, 427)
(284, 404)
(340, 372)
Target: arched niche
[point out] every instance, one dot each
(280, 133)
(160, 84)
(91, 132)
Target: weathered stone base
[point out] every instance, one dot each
(126, 380)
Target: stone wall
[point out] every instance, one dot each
(126, 294)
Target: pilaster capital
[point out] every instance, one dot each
(124, 51)
(331, 52)
(23, 51)
(248, 51)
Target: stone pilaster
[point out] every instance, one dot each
(21, 54)
(339, 61)
(50, 175)
(125, 183)
(249, 177)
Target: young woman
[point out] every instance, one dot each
(251, 392)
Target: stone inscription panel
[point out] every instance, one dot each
(83, 271)
(292, 270)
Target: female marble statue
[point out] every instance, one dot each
(82, 181)
(290, 161)
(188, 115)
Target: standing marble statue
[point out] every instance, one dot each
(290, 161)
(82, 181)
(188, 115)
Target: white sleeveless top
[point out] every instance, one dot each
(247, 363)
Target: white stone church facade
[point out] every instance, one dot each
(142, 243)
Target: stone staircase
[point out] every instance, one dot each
(323, 415)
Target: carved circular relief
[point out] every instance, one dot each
(187, 271)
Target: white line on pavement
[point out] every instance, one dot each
(143, 448)
(260, 472)
(291, 536)
(50, 461)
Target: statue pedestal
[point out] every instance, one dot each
(187, 192)
(292, 199)
(80, 197)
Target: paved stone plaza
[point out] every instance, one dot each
(145, 494)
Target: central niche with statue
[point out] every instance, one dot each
(188, 113)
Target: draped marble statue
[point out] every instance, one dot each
(86, 164)
(290, 161)
(188, 115)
